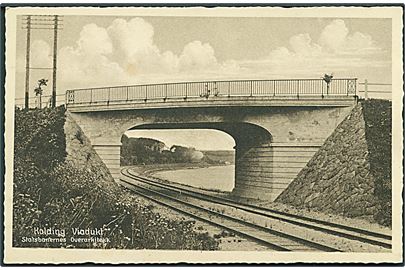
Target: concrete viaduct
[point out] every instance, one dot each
(277, 125)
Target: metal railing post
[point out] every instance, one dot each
(322, 89)
(146, 93)
(91, 96)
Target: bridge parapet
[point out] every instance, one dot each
(296, 92)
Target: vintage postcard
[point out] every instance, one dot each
(203, 135)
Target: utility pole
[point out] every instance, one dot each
(27, 64)
(55, 51)
(42, 22)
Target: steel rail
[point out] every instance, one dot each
(261, 241)
(301, 241)
(256, 210)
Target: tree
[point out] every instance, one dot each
(38, 90)
(328, 79)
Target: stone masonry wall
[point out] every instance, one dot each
(80, 151)
(378, 118)
(338, 178)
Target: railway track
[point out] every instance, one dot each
(272, 239)
(339, 230)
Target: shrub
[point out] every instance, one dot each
(51, 192)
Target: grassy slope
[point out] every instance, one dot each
(52, 192)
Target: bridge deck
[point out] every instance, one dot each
(215, 102)
(305, 92)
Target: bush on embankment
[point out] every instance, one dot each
(50, 191)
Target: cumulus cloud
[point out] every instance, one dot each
(88, 63)
(302, 44)
(336, 38)
(134, 47)
(41, 54)
(132, 37)
(336, 50)
(334, 35)
(94, 40)
(197, 55)
(125, 53)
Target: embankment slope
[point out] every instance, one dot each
(350, 175)
(60, 183)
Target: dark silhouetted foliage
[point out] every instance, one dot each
(50, 192)
(144, 151)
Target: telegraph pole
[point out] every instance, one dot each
(55, 51)
(27, 64)
(42, 22)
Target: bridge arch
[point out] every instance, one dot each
(249, 138)
(239, 131)
(273, 143)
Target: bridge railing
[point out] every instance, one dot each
(238, 88)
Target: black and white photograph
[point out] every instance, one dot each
(203, 135)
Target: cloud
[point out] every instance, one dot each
(88, 61)
(132, 37)
(125, 53)
(336, 50)
(334, 35)
(94, 40)
(41, 54)
(336, 38)
(134, 47)
(361, 44)
(302, 45)
(197, 56)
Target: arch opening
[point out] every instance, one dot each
(202, 158)
(203, 155)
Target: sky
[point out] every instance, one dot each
(110, 50)
(201, 139)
